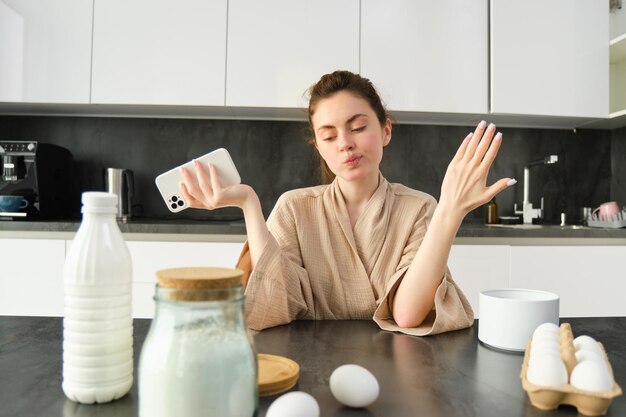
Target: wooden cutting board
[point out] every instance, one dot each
(277, 374)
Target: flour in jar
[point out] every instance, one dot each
(196, 374)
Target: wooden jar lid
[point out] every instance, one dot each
(205, 278)
(188, 283)
(277, 374)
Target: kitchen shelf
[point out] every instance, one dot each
(617, 49)
(617, 60)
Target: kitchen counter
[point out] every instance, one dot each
(232, 227)
(469, 233)
(445, 375)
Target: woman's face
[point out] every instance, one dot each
(349, 136)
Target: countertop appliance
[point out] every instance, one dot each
(41, 173)
(122, 183)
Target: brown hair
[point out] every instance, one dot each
(329, 85)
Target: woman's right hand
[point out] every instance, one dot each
(205, 190)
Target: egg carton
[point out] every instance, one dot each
(616, 222)
(589, 403)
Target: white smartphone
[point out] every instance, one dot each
(168, 183)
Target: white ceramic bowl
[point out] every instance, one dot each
(509, 316)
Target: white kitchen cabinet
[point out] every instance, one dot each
(31, 281)
(45, 51)
(427, 56)
(590, 280)
(617, 73)
(37, 288)
(278, 48)
(159, 52)
(149, 257)
(477, 268)
(550, 58)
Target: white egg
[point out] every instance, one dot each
(591, 376)
(585, 342)
(540, 354)
(547, 328)
(547, 371)
(354, 386)
(544, 344)
(294, 404)
(544, 349)
(553, 337)
(589, 355)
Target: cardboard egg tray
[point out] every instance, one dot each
(589, 403)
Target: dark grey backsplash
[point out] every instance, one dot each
(273, 157)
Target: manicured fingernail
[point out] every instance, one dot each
(511, 182)
(491, 125)
(498, 136)
(483, 123)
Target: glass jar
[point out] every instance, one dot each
(197, 359)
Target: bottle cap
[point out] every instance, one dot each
(99, 202)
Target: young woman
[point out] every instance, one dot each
(358, 247)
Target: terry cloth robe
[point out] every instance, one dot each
(314, 266)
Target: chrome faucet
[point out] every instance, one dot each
(528, 212)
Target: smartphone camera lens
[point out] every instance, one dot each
(174, 199)
(181, 203)
(173, 205)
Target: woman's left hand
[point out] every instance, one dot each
(464, 186)
(205, 190)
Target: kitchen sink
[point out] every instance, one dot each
(537, 226)
(517, 226)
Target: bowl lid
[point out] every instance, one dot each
(277, 374)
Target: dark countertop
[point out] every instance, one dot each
(237, 227)
(209, 227)
(446, 375)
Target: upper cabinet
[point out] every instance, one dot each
(278, 48)
(550, 58)
(427, 56)
(168, 52)
(530, 63)
(45, 51)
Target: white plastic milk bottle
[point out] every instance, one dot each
(98, 326)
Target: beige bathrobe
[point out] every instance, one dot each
(316, 267)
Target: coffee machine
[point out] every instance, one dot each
(42, 174)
